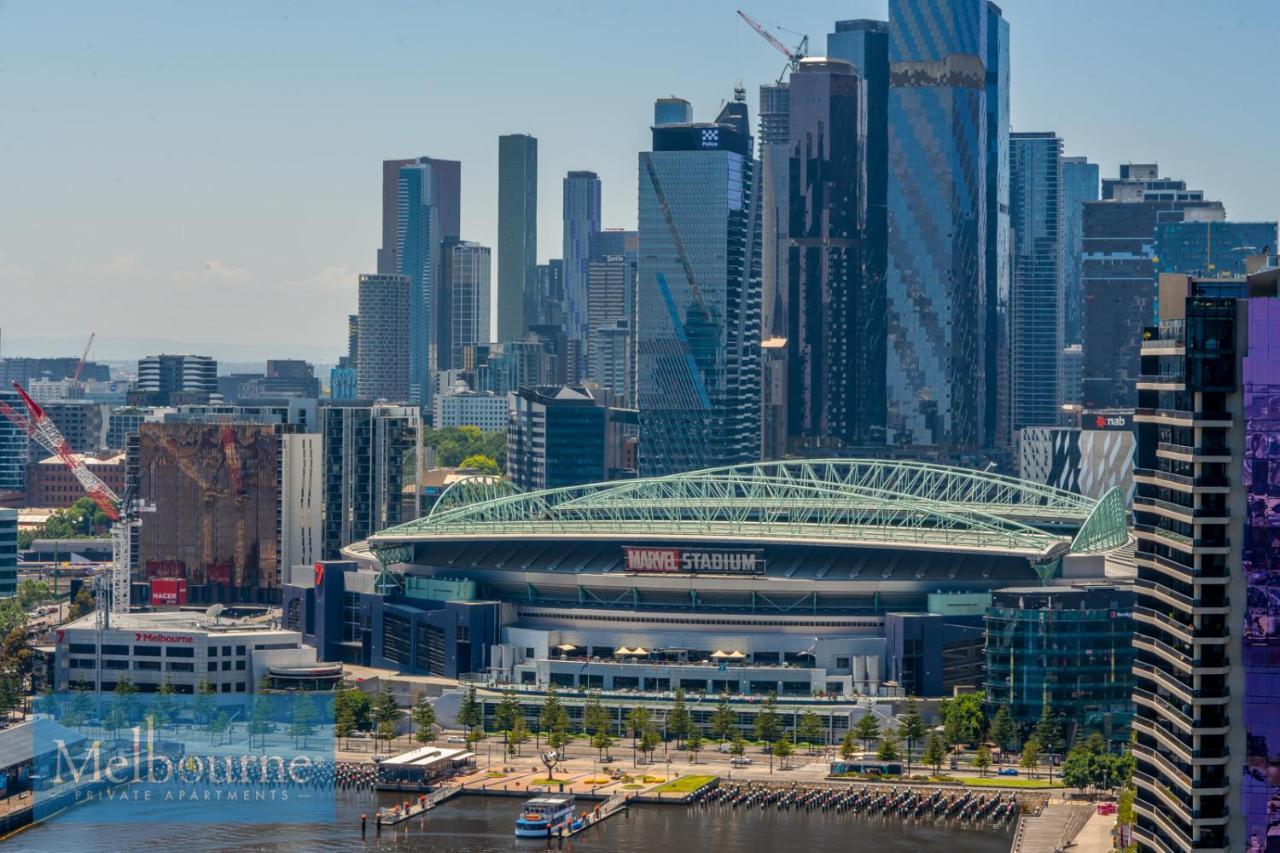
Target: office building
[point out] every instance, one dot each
(8, 552)
(51, 485)
(936, 278)
(371, 469)
(389, 250)
(698, 297)
(1117, 274)
(548, 301)
(284, 378)
(1036, 341)
(836, 397)
(169, 380)
(234, 503)
(1089, 457)
(463, 407)
(1205, 730)
(1071, 376)
(384, 359)
(563, 436)
(1210, 249)
(428, 217)
(517, 233)
(537, 359)
(1068, 649)
(447, 180)
(612, 361)
(464, 302)
(343, 382)
(775, 202)
(672, 110)
(82, 423)
(1079, 187)
(998, 317)
(581, 220)
(124, 422)
(26, 371)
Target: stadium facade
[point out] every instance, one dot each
(789, 577)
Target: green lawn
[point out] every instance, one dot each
(1010, 782)
(684, 785)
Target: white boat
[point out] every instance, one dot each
(544, 815)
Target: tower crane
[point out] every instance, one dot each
(122, 512)
(84, 356)
(793, 55)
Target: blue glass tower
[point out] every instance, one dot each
(937, 211)
(698, 297)
(581, 220)
(996, 336)
(1079, 186)
(1211, 248)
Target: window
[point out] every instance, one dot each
(240, 650)
(147, 651)
(226, 688)
(240, 664)
(82, 648)
(115, 664)
(82, 663)
(226, 666)
(213, 651)
(240, 687)
(179, 666)
(146, 664)
(211, 666)
(179, 652)
(114, 649)
(226, 651)
(842, 663)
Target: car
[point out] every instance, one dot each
(380, 757)
(608, 759)
(455, 739)
(1007, 771)
(740, 761)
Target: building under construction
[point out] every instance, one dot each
(222, 494)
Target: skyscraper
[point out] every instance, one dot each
(1035, 208)
(170, 380)
(775, 160)
(427, 215)
(464, 301)
(672, 110)
(996, 319)
(581, 220)
(517, 233)
(1079, 186)
(1116, 274)
(548, 300)
(937, 210)
(698, 303)
(1210, 248)
(13, 447)
(382, 361)
(835, 398)
(389, 251)
(1206, 729)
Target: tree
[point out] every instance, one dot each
(386, 713)
(32, 593)
(11, 615)
(649, 742)
(1048, 735)
(1004, 731)
(768, 726)
(849, 746)
(470, 714)
(962, 718)
(453, 445)
(1030, 755)
(262, 720)
(911, 726)
(982, 760)
(809, 729)
(694, 746)
(84, 603)
(552, 715)
(935, 752)
(784, 749)
(638, 721)
(163, 707)
(125, 698)
(888, 750)
(220, 724)
(1078, 770)
(738, 747)
(10, 694)
(79, 708)
(867, 730)
(358, 704)
(558, 738)
(15, 653)
(595, 718)
(424, 720)
(519, 734)
(602, 741)
(679, 722)
(302, 719)
(724, 721)
(481, 463)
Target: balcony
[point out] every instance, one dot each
(1163, 707)
(1162, 382)
(1168, 509)
(1167, 479)
(1155, 813)
(1179, 570)
(1168, 417)
(1162, 622)
(1165, 537)
(1165, 594)
(1187, 453)
(1178, 688)
(1170, 742)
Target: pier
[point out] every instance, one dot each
(905, 802)
(607, 809)
(410, 810)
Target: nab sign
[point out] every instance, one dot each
(694, 561)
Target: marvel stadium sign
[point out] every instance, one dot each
(694, 561)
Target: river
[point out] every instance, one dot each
(484, 825)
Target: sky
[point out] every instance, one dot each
(206, 176)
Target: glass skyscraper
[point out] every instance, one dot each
(517, 234)
(937, 210)
(1079, 185)
(13, 447)
(775, 113)
(997, 334)
(1210, 249)
(581, 220)
(1035, 209)
(698, 304)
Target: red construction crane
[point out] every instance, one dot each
(793, 55)
(84, 356)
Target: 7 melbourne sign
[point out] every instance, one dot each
(694, 561)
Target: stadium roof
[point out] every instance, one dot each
(837, 501)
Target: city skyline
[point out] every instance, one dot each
(116, 100)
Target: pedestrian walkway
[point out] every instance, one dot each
(1051, 830)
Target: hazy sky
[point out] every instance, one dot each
(209, 171)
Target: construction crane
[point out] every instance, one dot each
(37, 425)
(84, 356)
(793, 55)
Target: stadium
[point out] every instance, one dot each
(837, 577)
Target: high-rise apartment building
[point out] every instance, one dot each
(1079, 186)
(997, 335)
(371, 470)
(383, 359)
(836, 393)
(672, 110)
(775, 201)
(169, 380)
(698, 297)
(1036, 310)
(581, 220)
(549, 294)
(1210, 248)
(389, 251)
(1206, 729)
(464, 301)
(562, 436)
(1117, 274)
(428, 213)
(8, 552)
(937, 210)
(517, 234)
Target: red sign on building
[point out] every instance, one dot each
(168, 592)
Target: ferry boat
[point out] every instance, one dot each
(542, 815)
